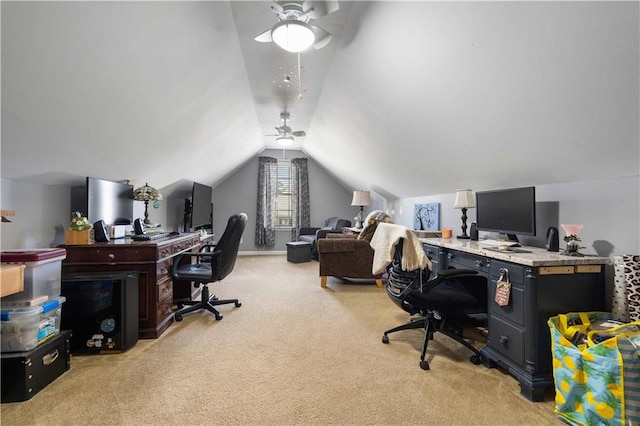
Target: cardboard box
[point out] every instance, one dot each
(11, 279)
(79, 237)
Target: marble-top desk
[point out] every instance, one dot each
(543, 284)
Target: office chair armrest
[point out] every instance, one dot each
(446, 274)
(192, 254)
(308, 230)
(208, 246)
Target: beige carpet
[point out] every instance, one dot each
(293, 354)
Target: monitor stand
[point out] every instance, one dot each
(508, 237)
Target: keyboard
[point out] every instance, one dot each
(498, 243)
(150, 237)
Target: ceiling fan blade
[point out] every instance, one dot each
(315, 9)
(322, 37)
(276, 7)
(299, 133)
(264, 37)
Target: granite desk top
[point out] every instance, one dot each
(536, 256)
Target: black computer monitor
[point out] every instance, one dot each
(507, 211)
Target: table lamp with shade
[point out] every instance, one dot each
(464, 200)
(146, 193)
(360, 198)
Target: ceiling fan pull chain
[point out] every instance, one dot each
(299, 78)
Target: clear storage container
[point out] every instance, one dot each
(22, 329)
(42, 275)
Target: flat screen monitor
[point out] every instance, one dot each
(109, 201)
(201, 207)
(507, 211)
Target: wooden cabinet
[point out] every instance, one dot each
(543, 285)
(153, 262)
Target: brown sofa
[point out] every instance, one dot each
(344, 256)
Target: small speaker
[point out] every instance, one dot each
(100, 232)
(473, 232)
(553, 243)
(138, 227)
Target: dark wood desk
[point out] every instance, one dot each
(153, 262)
(543, 284)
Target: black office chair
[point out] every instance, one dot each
(213, 263)
(443, 302)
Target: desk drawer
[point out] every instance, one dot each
(507, 339)
(109, 254)
(462, 260)
(514, 311)
(432, 253)
(165, 309)
(163, 269)
(165, 289)
(516, 272)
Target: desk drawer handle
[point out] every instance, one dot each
(479, 263)
(111, 256)
(450, 256)
(504, 339)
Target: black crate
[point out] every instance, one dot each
(24, 374)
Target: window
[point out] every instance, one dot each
(283, 195)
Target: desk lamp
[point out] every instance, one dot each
(464, 201)
(360, 198)
(146, 193)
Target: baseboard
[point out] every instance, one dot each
(262, 253)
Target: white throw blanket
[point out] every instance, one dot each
(384, 243)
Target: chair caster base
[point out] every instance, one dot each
(476, 359)
(177, 317)
(424, 365)
(218, 317)
(385, 339)
(238, 304)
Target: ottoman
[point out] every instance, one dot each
(298, 251)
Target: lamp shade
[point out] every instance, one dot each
(293, 36)
(361, 198)
(464, 199)
(146, 193)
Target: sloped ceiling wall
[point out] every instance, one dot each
(143, 91)
(428, 97)
(421, 98)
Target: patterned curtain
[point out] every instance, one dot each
(300, 216)
(266, 205)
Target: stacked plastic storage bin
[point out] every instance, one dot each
(32, 316)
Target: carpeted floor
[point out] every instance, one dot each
(293, 354)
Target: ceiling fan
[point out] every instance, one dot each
(285, 135)
(293, 32)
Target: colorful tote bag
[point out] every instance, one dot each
(596, 369)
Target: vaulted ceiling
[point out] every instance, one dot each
(408, 99)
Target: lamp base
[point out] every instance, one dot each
(463, 237)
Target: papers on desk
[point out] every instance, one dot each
(498, 243)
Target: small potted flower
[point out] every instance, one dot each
(80, 230)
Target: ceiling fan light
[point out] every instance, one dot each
(284, 140)
(293, 36)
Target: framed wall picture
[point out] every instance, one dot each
(426, 217)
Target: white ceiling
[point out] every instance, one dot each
(408, 99)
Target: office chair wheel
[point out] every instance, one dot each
(385, 339)
(238, 304)
(218, 317)
(180, 305)
(424, 365)
(475, 359)
(177, 317)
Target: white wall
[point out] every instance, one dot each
(609, 210)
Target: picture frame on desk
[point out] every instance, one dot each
(426, 217)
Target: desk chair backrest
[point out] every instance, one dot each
(227, 248)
